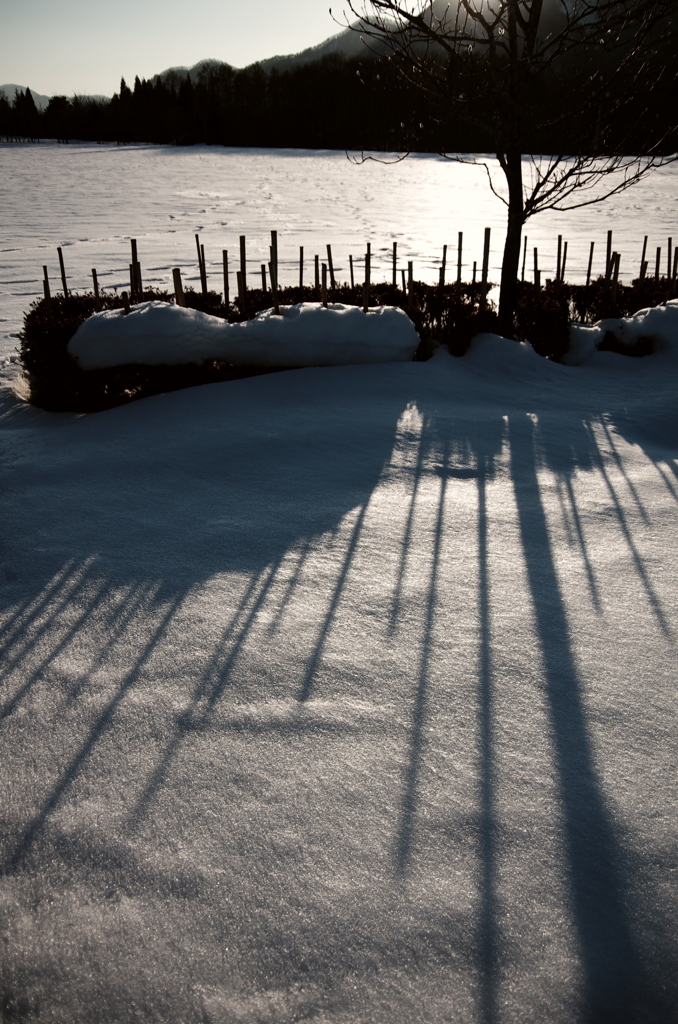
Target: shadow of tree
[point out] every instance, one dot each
(251, 489)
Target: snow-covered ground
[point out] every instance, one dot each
(347, 695)
(341, 694)
(91, 199)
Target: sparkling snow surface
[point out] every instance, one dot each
(345, 695)
(91, 199)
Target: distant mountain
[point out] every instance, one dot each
(344, 44)
(9, 91)
(41, 101)
(193, 73)
(347, 44)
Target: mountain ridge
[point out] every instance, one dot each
(10, 90)
(347, 43)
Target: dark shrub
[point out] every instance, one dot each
(450, 316)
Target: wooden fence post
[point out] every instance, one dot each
(486, 267)
(331, 266)
(657, 264)
(317, 277)
(48, 299)
(125, 303)
(224, 256)
(324, 286)
(536, 268)
(642, 258)
(263, 276)
(63, 272)
(522, 276)
(366, 283)
(395, 264)
(201, 264)
(562, 266)
(178, 288)
(242, 294)
(443, 265)
(669, 262)
(460, 245)
(350, 263)
(133, 268)
(95, 282)
(608, 261)
(204, 270)
(48, 295)
(242, 288)
(615, 277)
(274, 252)
(410, 284)
(588, 272)
(301, 266)
(560, 254)
(136, 283)
(274, 288)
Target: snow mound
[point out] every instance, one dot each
(504, 357)
(308, 334)
(658, 325)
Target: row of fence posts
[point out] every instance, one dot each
(612, 263)
(324, 270)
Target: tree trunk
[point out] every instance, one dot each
(513, 169)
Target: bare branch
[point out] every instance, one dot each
(495, 62)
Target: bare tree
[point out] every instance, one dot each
(492, 61)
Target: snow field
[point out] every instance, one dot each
(92, 199)
(346, 694)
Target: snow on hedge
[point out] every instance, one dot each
(308, 334)
(658, 325)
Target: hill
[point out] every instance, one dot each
(347, 44)
(10, 91)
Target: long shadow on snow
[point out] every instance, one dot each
(243, 513)
(615, 978)
(160, 496)
(618, 988)
(456, 457)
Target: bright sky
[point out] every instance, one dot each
(85, 46)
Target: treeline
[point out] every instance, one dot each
(337, 103)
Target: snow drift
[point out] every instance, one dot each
(657, 326)
(308, 334)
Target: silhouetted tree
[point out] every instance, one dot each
(519, 72)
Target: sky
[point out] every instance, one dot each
(85, 46)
